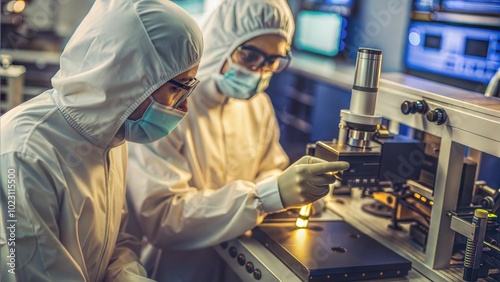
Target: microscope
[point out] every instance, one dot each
(374, 154)
(333, 250)
(377, 158)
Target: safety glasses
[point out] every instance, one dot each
(255, 59)
(186, 90)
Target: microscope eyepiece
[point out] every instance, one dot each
(368, 68)
(370, 51)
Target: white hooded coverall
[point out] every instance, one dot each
(63, 217)
(214, 177)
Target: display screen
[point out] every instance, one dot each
(433, 41)
(474, 47)
(469, 55)
(319, 32)
(472, 6)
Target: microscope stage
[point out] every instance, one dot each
(330, 251)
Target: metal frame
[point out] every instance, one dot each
(474, 121)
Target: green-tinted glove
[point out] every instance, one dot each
(307, 180)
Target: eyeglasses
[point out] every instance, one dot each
(186, 90)
(255, 59)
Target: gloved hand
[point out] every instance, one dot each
(307, 180)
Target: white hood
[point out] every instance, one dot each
(117, 57)
(232, 22)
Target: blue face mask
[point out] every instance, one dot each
(241, 83)
(157, 121)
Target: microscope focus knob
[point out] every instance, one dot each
(408, 107)
(438, 116)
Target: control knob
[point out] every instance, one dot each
(437, 116)
(419, 106)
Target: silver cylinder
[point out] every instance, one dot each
(359, 139)
(366, 81)
(363, 103)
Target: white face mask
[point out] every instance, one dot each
(241, 83)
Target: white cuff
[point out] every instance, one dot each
(269, 195)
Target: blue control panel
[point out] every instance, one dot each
(457, 51)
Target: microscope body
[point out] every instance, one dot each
(394, 159)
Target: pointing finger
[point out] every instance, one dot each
(322, 168)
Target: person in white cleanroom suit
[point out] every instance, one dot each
(63, 155)
(221, 171)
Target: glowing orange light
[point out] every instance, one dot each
(303, 218)
(301, 223)
(18, 6)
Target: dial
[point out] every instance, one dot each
(437, 116)
(408, 107)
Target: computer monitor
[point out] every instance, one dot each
(320, 32)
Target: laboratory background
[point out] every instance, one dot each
(406, 91)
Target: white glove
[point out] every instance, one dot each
(307, 180)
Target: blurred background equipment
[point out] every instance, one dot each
(33, 35)
(455, 41)
(12, 84)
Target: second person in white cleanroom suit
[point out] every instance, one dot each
(221, 171)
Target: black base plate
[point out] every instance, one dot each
(330, 251)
